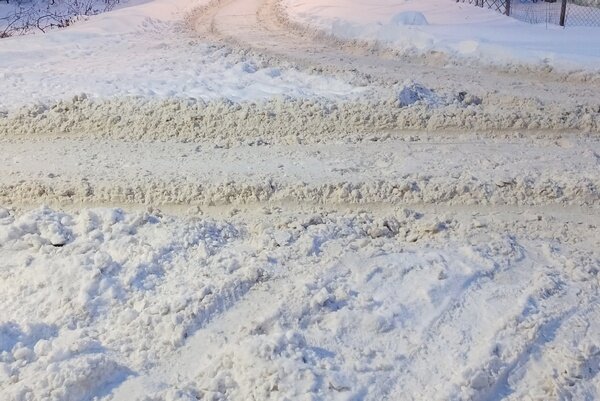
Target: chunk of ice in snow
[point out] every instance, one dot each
(413, 92)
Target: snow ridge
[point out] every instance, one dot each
(306, 120)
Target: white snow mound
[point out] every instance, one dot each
(409, 18)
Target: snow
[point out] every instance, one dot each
(292, 305)
(457, 29)
(284, 271)
(25, 17)
(162, 61)
(511, 171)
(210, 201)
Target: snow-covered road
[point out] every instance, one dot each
(263, 25)
(296, 301)
(396, 168)
(222, 204)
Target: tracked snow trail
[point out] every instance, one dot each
(261, 25)
(300, 301)
(348, 90)
(308, 247)
(459, 320)
(451, 169)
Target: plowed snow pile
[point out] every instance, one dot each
(216, 200)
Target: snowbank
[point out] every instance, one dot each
(296, 120)
(457, 29)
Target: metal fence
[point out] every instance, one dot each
(559, 12)
(502, 6)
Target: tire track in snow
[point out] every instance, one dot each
(213, 332)
(523, 318)
(428, 172)
(269, 300)
(261, 28)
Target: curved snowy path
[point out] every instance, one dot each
(262, 26)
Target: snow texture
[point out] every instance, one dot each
(316, 200)
(457, 29)
(321, 305)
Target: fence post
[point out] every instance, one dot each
(507, 7)
(563, 12)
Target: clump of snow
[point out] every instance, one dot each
(409, 18)
(413, 92)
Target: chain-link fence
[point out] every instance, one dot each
(559, 12)
(502, 6)
(570, 13)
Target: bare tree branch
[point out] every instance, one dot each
(42, 15)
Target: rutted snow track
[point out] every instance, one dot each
(263, 27)
(348, 89)
(426, 240)
(454, 169)
(300, 302)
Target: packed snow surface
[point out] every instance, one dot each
(219, 200)
(449, 169)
